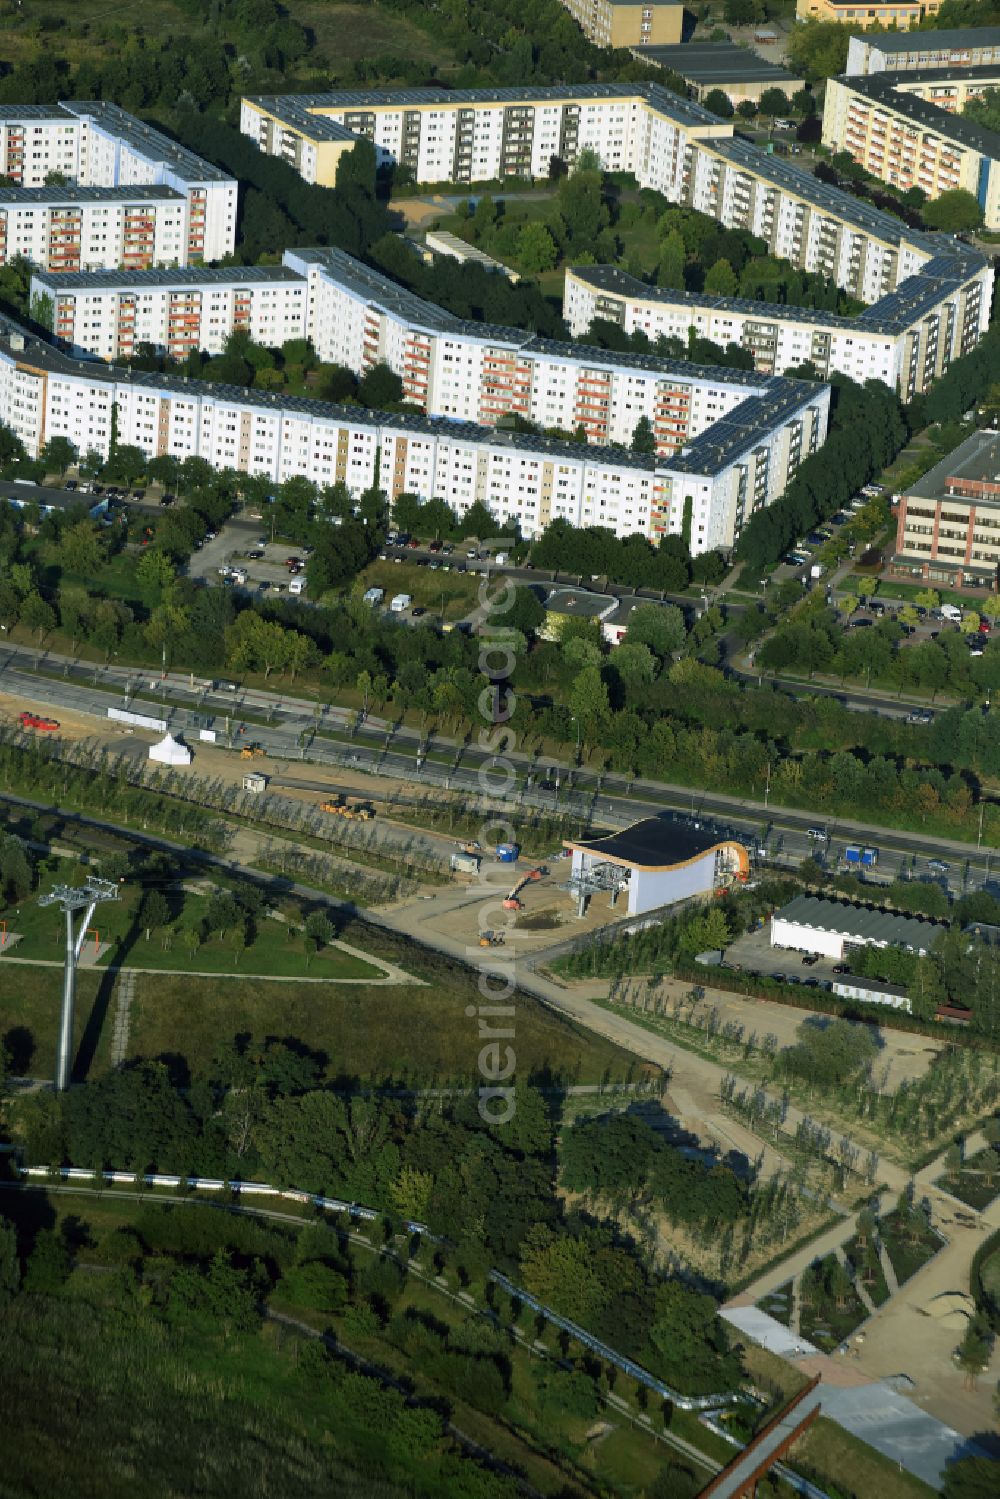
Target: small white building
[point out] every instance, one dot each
(833, 928)
(872, 992)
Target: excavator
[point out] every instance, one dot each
(252, 751)
(511, 902)
(339, 806)
(491, 939)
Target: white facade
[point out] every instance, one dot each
(668, 143)
(907, 341)
(175, 312)
(45, 394)
(84, 229)
(98, 147)
(806, 939)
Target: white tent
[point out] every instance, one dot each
(170, 752)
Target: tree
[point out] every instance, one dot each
(37, 615)
(743, 12)
(746, 109)
(80, 549)
(719, 103)
(635, 664)
(673, 257)
(154, 911)
(644, 438)
(774, 102)
(970, 1478)
(973, 1353)
(10, 1269)
(660, 626)
(91, 464)
(155, 569)
(49, 1264)
(720, 279)
(953, 210)
(380, 387)
(588, 702)
(58, 455)
(536, 249)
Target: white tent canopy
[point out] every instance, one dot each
(170, 752)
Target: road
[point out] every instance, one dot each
(295, 728)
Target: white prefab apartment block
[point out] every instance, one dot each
(105, 155)
(92, 229)
(670, 144)
(903, 129)
(111, 313)
(735, 466)
(907, 339)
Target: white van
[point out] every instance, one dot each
(951, 613)
(373, 596)
(297, 585)
(401, 603)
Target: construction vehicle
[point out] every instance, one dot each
(491, 939)
(252, 751)
(36, 721)
(339, 806)
(511, 901)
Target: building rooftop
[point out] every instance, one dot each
(866, 923)
(684, 111)
(707, 63)
(141, 138)
(372, 286)
(887, 92)
(653, 843)
(183, 276)
(915, 297)
(141, 192)
(802, 184)
(977, 459)
(874, 986)
(918, 42)
(578, 604)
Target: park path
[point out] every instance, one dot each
(391, 976)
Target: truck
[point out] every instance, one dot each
(373, 596)
(400, 603)
(856, 854)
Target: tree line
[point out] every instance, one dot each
(257, 1111)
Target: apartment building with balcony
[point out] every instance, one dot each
(948, 522)
(108, 314)
(906, 52)
(64, 229)
(98, 147)
(628, 23)
(744, 464)
(907, 339)
(478, 135)
(904, 132)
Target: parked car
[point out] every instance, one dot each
(809, 958)
(938, 866)
(416, 613)
(861, 624)
(841, 968)
(920, 715)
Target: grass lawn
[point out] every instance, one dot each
(976, 1183)
(459, 591)
(906, 1255)
(420, 1035)
(275, 950)
(832, 1455)
(778, 1304)
(30, 1001)
(344, 33)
